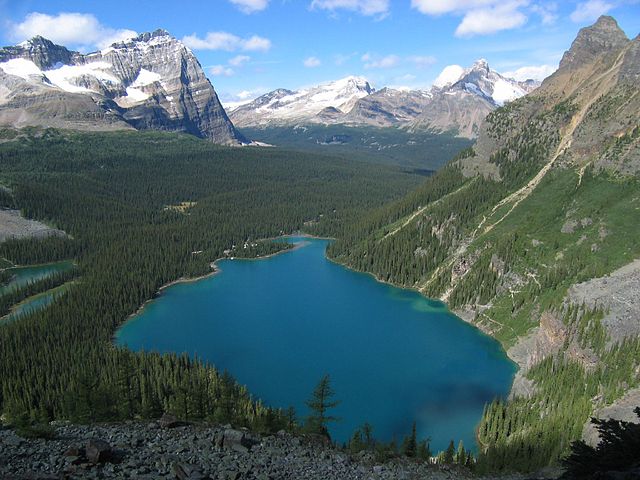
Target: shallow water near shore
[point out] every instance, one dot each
(279, 324)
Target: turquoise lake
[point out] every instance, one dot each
(279, 324)
(23, 275)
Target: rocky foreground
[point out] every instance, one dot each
(171, 450)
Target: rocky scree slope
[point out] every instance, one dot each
(532, 235)
(169, 449)
(149, 82)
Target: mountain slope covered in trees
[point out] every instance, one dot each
(512, 231)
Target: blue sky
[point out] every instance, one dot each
(249, 47)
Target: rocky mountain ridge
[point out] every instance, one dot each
(149, 82)
(459, 102)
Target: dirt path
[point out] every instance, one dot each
(418, 212)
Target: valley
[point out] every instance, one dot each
(457, 262)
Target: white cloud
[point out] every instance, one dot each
(81, 30)
(341, 59)
(422, 61)
(489, 20)
(547, 12)
(534, 72)
(371, 61)
(257, 44)
(590, 10)
(438, 7)
(250, 6)
(239, 60)
(227, 41)
(483, 17)
(449, 75)
(221, 71)
(231, 101)
(312, 62)
(365, 7)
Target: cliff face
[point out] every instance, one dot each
(150, 82)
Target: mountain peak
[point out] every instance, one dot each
(37, 40)
(353, 82)
(146, 36)
(40, 50)
(602, 37)
(481, 64)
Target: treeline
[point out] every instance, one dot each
(110, 193)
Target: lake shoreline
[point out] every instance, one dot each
(211, 310)
(215, 271)
(456, 313)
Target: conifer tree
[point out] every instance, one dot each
(319, 403)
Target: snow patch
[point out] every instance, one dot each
(340, 94)
(504, 91)
(21, 67)
(65, 77)
(5, 93)
(145, 77)
(136, 95)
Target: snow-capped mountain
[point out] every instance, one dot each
(482, 81)
(459, 100)
(149, 82)
(317, 104)
(462, 98)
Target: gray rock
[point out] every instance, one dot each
(98, 451)
(239, 441)
(169, 421)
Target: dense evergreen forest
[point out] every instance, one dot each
(141, 210)
(422, 151)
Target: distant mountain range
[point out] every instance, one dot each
(155, 82)
(458, 102)
(150, 82)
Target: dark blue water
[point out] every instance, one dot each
(279, 324)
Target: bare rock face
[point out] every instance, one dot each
(44, 53)
(617, 294)
(621, 409)
(388, 107)
(601, 38)
(149, 82)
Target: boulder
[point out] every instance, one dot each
(98, 451)
(169, 421)
(187, 471)
(239, 440)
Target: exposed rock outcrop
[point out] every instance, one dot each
(14, 225)
(149, 82)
